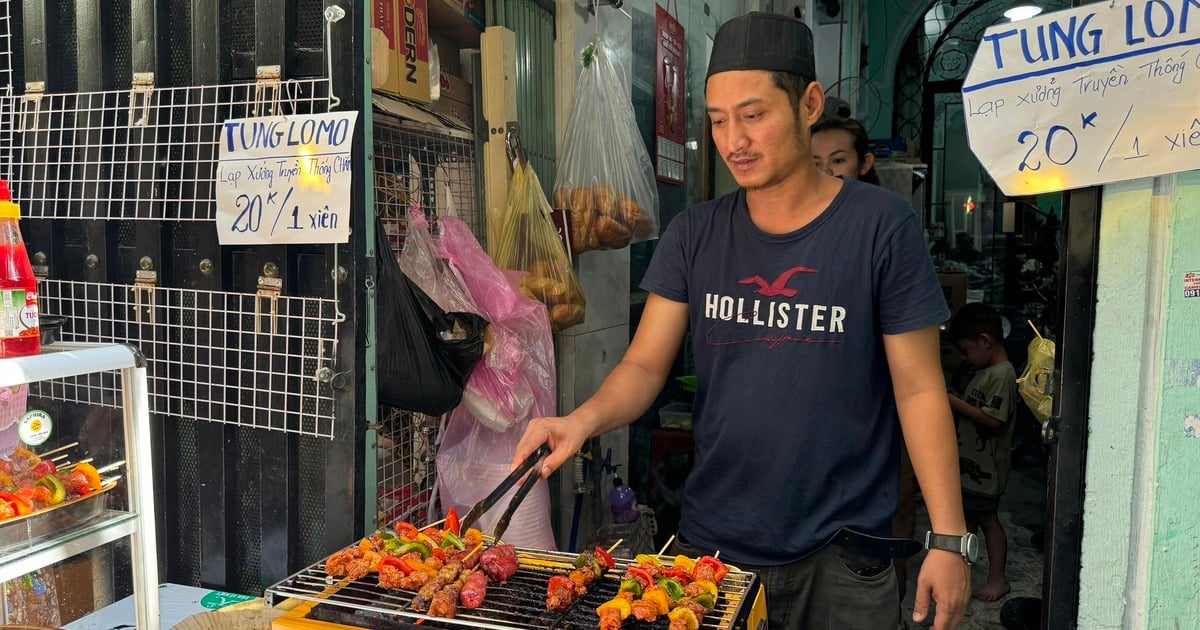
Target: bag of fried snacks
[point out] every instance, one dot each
(527, 241)
(605, 180)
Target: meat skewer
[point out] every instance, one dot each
(562, 591)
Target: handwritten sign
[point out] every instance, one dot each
(285, 179)
(1095, 94)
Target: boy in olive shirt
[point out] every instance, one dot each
(985, 418)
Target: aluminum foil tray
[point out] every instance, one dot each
(49, 521)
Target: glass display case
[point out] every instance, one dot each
(55, 534)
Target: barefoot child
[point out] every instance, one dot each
(985, 417)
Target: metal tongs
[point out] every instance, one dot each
(490, 500)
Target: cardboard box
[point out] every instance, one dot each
(954, 288)
(400, 48)
(412, 50)
(455, 101)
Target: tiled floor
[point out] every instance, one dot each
(1022, 512)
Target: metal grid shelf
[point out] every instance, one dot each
(417, 164)
(135, 154)
(224, 357)
(406, 467)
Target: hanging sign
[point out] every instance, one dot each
(669, 115)
(1099, 93)
(285, 179)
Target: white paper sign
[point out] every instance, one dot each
(1095, 94)
(285, 179)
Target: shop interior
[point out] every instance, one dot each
(259, 356)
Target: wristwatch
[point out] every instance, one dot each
(966, 545)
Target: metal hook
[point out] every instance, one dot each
(512, 145)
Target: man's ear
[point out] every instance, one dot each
(812, 103)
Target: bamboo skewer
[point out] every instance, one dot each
(666, 546)
(57, 450)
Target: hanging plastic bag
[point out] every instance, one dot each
(514, 383)
(518, 369)
(605, 178)
(1034, 380)
(419, 261)
(425, 355)
(526, 240)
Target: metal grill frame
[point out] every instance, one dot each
(536, 568)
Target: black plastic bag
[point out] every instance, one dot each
(425, 355)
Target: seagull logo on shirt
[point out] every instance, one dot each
(779, 287)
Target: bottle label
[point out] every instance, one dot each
(18, 314)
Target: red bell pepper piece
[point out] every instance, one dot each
(560, 581)
(452, 523)
(719, 569)
(21, 505)
(641, 575)
(407, 531)
(393, 561)
(606, 558)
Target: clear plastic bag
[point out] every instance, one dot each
(605, 178)
(526, 240)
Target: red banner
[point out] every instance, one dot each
(670, 89)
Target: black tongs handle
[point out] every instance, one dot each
(487, 502)
(518, 497)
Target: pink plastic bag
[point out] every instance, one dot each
(512, 384)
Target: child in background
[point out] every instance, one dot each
(985, 418)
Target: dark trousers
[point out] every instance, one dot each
(832, 589)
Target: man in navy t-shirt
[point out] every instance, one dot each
(814, 310)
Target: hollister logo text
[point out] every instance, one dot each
(775, 322)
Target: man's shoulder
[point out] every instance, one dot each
(881, 203)
(707, 210)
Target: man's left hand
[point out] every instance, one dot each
(945, 580)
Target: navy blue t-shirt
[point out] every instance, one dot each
(794, 419)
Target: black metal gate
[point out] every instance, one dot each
(109, 144)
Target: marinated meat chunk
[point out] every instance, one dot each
(473, 591)
(499, 562)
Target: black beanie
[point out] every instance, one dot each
(763, 41)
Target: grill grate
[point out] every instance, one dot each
(519, 604)
(217, 358)
(111, 155)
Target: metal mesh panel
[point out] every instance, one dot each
(418, 164)
(226, 357)
(122, 41)
(63, 46)
(406, 468)
(123, 155)
(310, 24)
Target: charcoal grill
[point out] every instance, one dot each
(520, 604)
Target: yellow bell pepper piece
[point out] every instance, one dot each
(658, 596)
(708, 587)
(685, 614)
(619, 604)
(685, 563)
(643, 558)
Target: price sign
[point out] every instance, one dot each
(285, 179)
(1095, 94)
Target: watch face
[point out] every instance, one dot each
(971, 548)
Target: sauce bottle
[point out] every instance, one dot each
(19, 332)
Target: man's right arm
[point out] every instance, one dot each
(626, 393)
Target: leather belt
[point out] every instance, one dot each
(877, 546)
